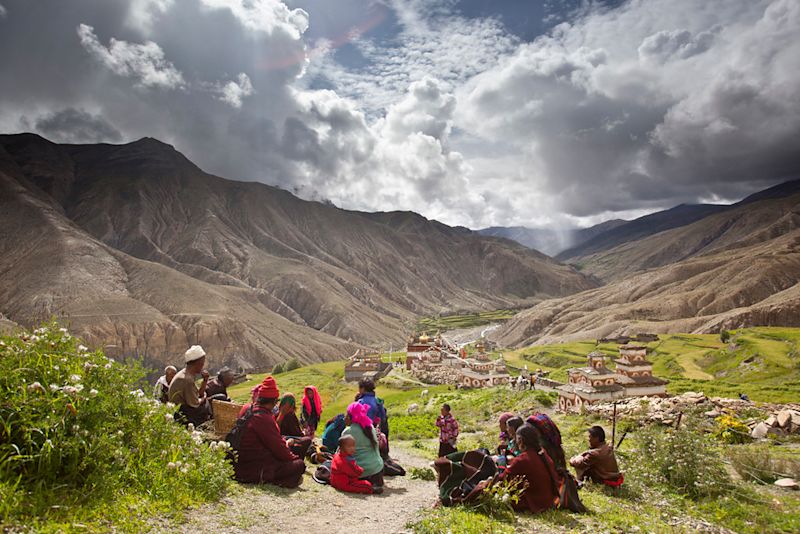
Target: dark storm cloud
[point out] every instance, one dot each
(76, 126)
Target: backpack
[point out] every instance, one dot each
(234, 437)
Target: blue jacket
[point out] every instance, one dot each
(376, 412)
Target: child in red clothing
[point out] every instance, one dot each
(345, 471)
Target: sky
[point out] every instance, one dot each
(539, 113)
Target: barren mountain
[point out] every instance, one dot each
(752, 221)
(743, 269)
(139, 249)
(548, 240)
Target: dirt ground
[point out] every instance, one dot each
(318, 508)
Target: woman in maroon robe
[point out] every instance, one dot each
(264, 456)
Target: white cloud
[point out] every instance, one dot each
(233, 92)
(143, 13)
(653, 103)
(146, 62)
(266, 16)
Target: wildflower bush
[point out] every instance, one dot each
(78, 440)
(758, 463)
(683, 460)
(422, 473)
(498, 500)
(731, 430)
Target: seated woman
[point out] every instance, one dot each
(513, 424)
(551, 439)
(535, 467)
(290, 426)
(367, 455)
(263, 455)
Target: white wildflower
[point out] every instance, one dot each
(169, 417)
(191, 427)
(212, 445)
(79, 388)
(36, 386)
(54, 387)
(88, 366)
(170, 405)
(179, 463)
(184, 470)
(120, 433)
(82, 348)
(56, 367)
(35, 338)
(70, 390)
(75, 379)
(108, 365)
(171, 465)
(76, 428)
(93, 392)
(506, 497)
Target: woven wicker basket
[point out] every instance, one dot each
(225, 415)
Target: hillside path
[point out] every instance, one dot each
(318, 508)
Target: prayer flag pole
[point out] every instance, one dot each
(614, 425)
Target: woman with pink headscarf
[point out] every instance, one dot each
(367, 455)
(312, 410)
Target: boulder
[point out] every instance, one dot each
(712, 413)
(784, 418)
(760, 431)
(772, 420)
(787, 483)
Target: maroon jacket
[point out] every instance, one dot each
(262, 448)
(540, 494)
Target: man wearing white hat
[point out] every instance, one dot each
(183, 391)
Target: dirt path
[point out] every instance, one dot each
(317, 508)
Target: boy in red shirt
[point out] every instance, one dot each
(345, 471)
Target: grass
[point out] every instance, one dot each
(763, 362)
(468, 320)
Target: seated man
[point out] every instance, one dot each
(161, 390)
(217, 387)
(193, 406)
(264, 456)
(598, 463)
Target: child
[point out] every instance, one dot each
(345, 471)
(312, 410)
(448, 431)
(513, 444)
(504, 436)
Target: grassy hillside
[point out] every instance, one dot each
(652, 500)
(763, 362)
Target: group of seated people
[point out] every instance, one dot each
(180, 387)
(275, 441)
(530, 450)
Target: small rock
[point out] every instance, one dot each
(784, 418)
(787, 483)
(772, 420)
(712, 413)
(760, 431)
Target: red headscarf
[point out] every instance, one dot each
(317, 400)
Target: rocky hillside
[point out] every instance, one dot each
(144, 253)
(750, 280)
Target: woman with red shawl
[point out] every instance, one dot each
(286, 417)
(312, 410)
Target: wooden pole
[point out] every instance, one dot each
(678, 423)
(614, 425)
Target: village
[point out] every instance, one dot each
(435, 360)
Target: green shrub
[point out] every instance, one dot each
(414, 426)
(422, 473)
(731, 430)
(291, 365)
(724, 336)
(278, 369)
(683, 460)
(77, 440)
(759, 464)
